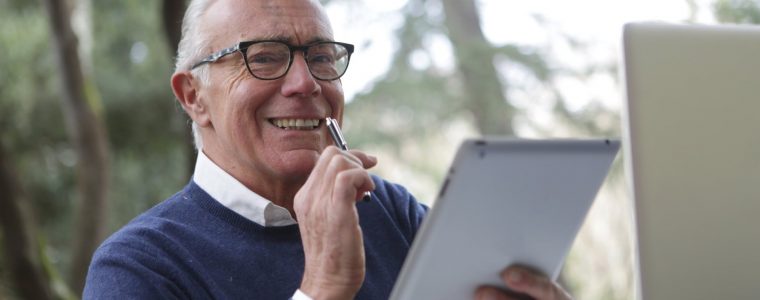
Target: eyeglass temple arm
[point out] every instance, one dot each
(216, 56)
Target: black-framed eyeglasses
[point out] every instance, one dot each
(271, 59)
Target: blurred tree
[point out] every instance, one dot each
(737, 11)
(82, 107)
(172, 12)
(147, 130)
(130, 63)
(19, 236)
(421, 103)
(27, 109)
(475, 61)
(414, 115)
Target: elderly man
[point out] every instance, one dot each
(272, 210)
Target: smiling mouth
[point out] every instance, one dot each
(296, 124)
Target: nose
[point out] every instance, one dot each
(299, 81)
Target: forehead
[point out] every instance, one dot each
(296, 21)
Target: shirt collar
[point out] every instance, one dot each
(231, 193)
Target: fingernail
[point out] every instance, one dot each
(372, 161)
(515, 276)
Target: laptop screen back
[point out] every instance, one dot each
(692, 143)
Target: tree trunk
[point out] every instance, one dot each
(475, 59)
(81, 108)
(19, 238)
(172, 12)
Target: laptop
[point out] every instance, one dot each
(692, 149)
(504, 202)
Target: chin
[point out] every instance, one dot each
(299, 165)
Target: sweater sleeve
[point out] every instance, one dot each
(402, 206)
(120, 271)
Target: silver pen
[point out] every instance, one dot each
(340, 142)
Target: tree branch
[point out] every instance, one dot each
(87, 132)
(21, 253)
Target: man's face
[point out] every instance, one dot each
(244, 134)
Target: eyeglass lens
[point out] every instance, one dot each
(269, 60)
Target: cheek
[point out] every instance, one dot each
(238, 77)
(333, 92)
(225, 95)
(242, 119)
(246, 98)
(336, 86)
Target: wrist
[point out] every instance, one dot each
(325, 290)
(300, 295)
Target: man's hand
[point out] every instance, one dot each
(525, 281)
(326, 211)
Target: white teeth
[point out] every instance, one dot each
(297, 124)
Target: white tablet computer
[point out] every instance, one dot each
(504, 202)
(691, 135)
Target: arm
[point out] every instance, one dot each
(118, 275)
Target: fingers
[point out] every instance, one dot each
(352, 184)
(337, 176)
(363, 159)
(524, 283)
(490, 293)
(351, 178)
(368, 161)
(348, 169)
(527, 281)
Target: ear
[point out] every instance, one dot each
(186, 88)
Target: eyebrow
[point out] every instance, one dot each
(319, 39)
(287, 40)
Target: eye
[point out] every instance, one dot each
(321, 58)
(326, 53)
(268, 57)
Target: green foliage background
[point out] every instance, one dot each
(144, 124)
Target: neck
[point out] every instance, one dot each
(282, 194)
(278, 189)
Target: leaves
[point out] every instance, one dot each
(737, 11)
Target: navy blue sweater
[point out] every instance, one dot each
(192, 247)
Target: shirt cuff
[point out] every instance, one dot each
(299, 295)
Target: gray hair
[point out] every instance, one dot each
(192, 47)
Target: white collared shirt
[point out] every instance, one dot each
(231, 193)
